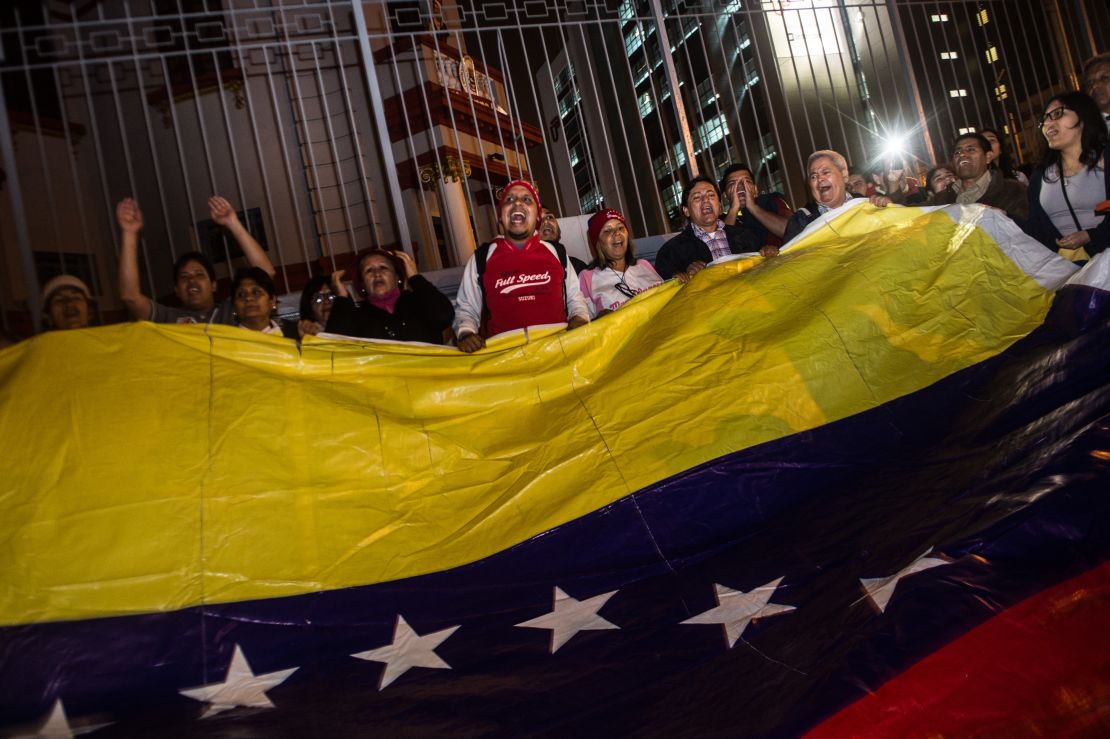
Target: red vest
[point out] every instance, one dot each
(523, 287)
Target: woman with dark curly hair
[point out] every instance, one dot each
(1071, 179)
(398, 303)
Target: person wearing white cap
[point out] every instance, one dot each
(66, 302)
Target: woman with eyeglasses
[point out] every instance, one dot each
(615, 275)
(1071, 179)
(398, 304)
(316, 301)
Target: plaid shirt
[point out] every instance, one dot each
(716, 241)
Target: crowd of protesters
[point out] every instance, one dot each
(524, 277)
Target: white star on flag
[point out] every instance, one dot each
(407, 650)
(881, 589)
(241, 687)
(569, 616)
(56, 725)
(736, 609)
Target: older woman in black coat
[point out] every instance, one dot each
(398, 304)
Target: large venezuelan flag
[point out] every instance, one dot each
(733, 507)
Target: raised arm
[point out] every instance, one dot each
(222, 213)
(130, 220)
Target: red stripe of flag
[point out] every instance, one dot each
(1040, 668)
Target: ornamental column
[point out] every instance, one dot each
(453, 210)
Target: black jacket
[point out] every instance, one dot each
(686, 248)
(1039, 225)
(422, 313)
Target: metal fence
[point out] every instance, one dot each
(335, 126)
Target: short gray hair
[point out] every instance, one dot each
(838, 160)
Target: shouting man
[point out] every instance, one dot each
(517, 279)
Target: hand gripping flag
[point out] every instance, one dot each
(860, 487)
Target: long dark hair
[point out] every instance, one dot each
(1093, 138)
(1004, 162)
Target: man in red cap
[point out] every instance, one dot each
(518, 279)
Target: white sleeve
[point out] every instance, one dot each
(468, 301)
(576, 303)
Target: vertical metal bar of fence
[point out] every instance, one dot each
(703, 21)
(79, 199)
(911, 80)
(671, 152)
(477, 131)
(561, 206)
(604, 126)
(1008, 130)
(497, 117)
(672, 82)
(386, 146)
(154, 159)
(94, 125)
(699, 106)
(828, 71)
(15, 195)
(880, 88)
(341, 73)
(422, 84)
(853, 60)
(813, 77)
(579, 113)
(213, 187)
(248, 100)
(420, 198)
(519, 121)
(284, 146)
(1047, 64)
(740, 138)
(304, 140)
(624, 132)
(455, 134)
(180, 148)
(702, 127)
(37, 124)
(337, 169)
(514, 108)
(990, 88)
(938, 153)
(789, 186)
(802, 156)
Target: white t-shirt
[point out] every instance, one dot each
(607, 289)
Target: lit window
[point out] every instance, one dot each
(633, 39)
(646, 105)
(627, 12)
(1000, 93)
(961, 93)
(970, 129)
(992, 55)
(939, 18)
(949, 55)
(1006, 130)
(712, 131)
(982, 17)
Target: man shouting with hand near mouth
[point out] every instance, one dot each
(705, 238)
(517, 279)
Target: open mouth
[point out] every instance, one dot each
(517, 218)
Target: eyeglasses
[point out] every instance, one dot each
(1053, 115)
(321, 298)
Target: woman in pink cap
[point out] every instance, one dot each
(615, 274)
